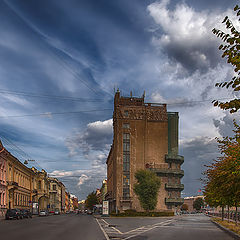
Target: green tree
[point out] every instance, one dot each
(91, 200)
(231, 50)
(198, 203)
(223, 175)
(146, 188)
(184, 207)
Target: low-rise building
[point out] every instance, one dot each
(190, 200)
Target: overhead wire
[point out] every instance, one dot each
(50, 48)
(37, 95)
(18, 151)
(48, 114)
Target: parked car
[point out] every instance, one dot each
(56, 212)
(20, 212)
(26, 213)
(89, 212)
(43, 213)
(13, 214)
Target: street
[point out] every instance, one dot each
(184, 227)
(86, 227)
(61, 227)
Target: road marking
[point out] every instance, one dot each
(146, 229)
(106, 236)
(112, 227)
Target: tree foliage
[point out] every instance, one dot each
(146, 188)
(184, 207)
(198, 203)
(223, 175)
(231, 50)
(91, 200)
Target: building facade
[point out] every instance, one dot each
(145, 137)
(63, 200)
(40, 190)
(54, 194)
(3, 181)
(19, 183)
(67, 201)
(190, 200)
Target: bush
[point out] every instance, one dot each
(133, 213)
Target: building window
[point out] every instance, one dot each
(126, 113)
(126, 125)
(54, 187)
(126, 165)
(39, 185)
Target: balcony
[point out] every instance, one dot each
(168, 171)
(174, 186)
(12, 185)
(174, 201)
(176, 159)
(126, 199)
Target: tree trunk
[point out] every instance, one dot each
(228, 213)
(222, 213)
(236, 216)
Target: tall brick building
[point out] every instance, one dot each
(145, 137)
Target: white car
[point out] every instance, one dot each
(43, 213)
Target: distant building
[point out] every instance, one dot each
(62, 197)
(55, 196)
(190, 200)
(145, 137)
(3, 181)
(74, 201)
(40, 190)
(67, 201)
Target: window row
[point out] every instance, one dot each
(21, 199)
(2, 199)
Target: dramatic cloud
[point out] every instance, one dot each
(225, 125)
(97, 137)
(185, 34)
(197, 153)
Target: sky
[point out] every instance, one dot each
(61, 61)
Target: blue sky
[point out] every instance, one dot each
(65, 58)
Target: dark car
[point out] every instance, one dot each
(26, 213)
(13, 214)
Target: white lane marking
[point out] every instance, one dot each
(106, 236)
(149, 226)
(105, 222)
(112, 227)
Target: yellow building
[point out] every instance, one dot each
(40, 189)
(55, 191)
(19, 179)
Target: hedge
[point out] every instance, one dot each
(132, 213)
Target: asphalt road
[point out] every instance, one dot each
(185, 227)
(56, 227)
(86, 227)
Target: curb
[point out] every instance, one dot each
(229, 232)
